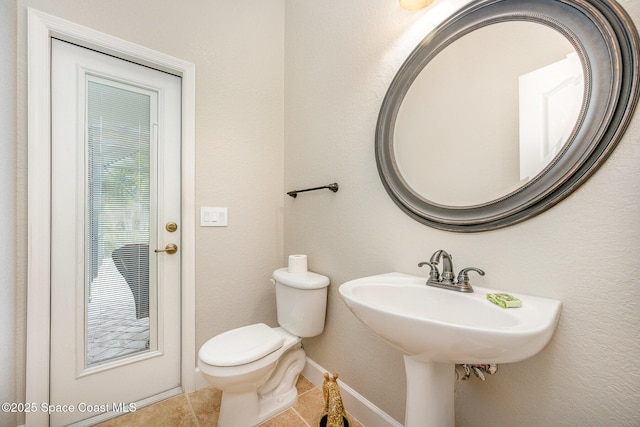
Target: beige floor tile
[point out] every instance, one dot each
(304, 385)
(353, 422)
(206, 405)
(202, 407)
(310, 406)
(288, 418)
(174, 412)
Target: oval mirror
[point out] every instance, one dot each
(505, 109)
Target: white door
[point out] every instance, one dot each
(115, 300)
(550, 101)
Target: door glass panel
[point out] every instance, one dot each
(118, 294)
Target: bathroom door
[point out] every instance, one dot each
(115, 300)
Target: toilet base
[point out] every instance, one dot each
(276, 395)
(238, 409)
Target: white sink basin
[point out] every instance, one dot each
(437, 328)
(439, 325)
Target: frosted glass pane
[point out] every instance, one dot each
(118, 222)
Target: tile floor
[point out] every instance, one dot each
(201, 408)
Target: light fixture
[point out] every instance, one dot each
(414, 4)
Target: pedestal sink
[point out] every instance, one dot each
(437, 328)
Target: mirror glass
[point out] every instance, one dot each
(488, 113)
(506, 108)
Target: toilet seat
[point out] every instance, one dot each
(241, 346)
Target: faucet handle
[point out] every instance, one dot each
(434, 275)
(463, 276)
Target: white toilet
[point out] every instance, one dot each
(256, 366)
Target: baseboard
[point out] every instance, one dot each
(360, 408)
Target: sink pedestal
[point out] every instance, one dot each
(430, 394)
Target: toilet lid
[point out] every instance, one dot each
(240, 346)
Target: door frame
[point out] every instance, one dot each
(41, 28)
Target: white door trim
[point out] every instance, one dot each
(41, 28)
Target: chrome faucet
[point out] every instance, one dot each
(445, 280)
(447, 275)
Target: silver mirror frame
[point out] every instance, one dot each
(608, 45)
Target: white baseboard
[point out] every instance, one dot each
(360, 408)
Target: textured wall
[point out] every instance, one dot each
(340, 58)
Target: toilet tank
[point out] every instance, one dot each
(301, 300)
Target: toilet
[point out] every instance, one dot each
(256, 367)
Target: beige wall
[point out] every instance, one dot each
(237, 48)
(7, 207)
(340, 58)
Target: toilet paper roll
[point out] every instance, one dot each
(297, 263)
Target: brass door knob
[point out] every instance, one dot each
(171, 248)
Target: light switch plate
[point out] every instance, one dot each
(213, 217)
